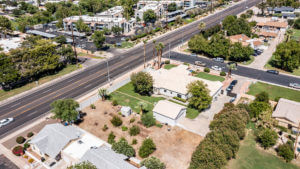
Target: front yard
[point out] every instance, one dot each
(210, 77)
(274, 91)
(172, 144)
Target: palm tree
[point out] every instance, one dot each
(288, 33)
(201, 26)
(262, 6)
(160, 48)
(145, 42)
(154, 42)
(102, 93)
(231, 66)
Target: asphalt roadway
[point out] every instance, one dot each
(29, 107)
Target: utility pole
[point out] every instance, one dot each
(295, 146)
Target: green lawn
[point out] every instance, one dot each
(169, 66)
(269, 66)
(126, 96)
(127, 45)
(274, 91)
(296, 34)
(6, 94)
(190, 113)
(207, 76)
(189, 20)
(249, 157)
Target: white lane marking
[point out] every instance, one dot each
(87, 85)
(31, 113)
(15, 104)
(47, 90)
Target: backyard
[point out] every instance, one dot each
(274, 92)
(210, 77)
(250, 157)
(6, 94)
(171, 143)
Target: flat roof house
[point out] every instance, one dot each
(168, 112)
(104, 157)
(173, 82)
(53, 138)
(287, 113)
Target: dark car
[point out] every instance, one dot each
(233, 83)
(229, 88)
(273, 72)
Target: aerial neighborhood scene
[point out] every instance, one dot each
(149, 84)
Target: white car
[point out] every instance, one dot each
(6, 121)
(217, 68)
(295, 85)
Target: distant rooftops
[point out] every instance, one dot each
(273, 24)
(40, 33)
(111, 11)
(281, 9)
(87, 18)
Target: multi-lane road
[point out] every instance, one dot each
(37, 103)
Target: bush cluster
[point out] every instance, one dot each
(266, 137)
(222, 73)
(18, 150)
(20, 140)
(207, 70)
(147, 148)
(111, 138)
(148, 120)
(286, 151)
(134, 130)
(179, 99)
(30, 134)
(122, 147)
(116, 121)
(222, 142)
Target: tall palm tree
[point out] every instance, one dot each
(154, 42)
(201, 26)
(262, 6)
(145, 42)
(232, 66)
(160, 48)
(288, 33)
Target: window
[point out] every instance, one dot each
(179, 95)
(165, 90)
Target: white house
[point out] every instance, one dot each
(168, 112)
(173, 82)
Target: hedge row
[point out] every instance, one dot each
(222, 143)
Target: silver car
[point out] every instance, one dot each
(217, 68)
(295, 85)
(6, 121)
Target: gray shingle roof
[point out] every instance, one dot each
(40, 33)
(104, 157)
(284, 8)
(54, 137)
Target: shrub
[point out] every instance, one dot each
(153, 163)
(286, 151)
(114, 102)
(124, 128)
(26, 146)
(132, 120)
(267, 138)
(222, 73)
(20, 140)
(18, 150)
(262, 97)
(111, 138)
(207, 70)
(116, 121)
(159, 125)
(25, 156)
(167, 62)
(147, 148)
(30, 160)
(179, 99)
(104, 128)
(134, 141)
(122, 147)
(148, 120)
(30, 134)
(93, 106)
(187, 64)
(134, 130)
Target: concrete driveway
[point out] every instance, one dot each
(200, 125)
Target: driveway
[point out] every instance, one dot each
(200, 125)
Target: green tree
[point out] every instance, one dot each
(116, 121)
(153, 163)
(81, 26)
(198, 44)
(149, 16)
(5, 25)
(262, 6)
(147, 148)
(262, 97)
(297, 23)
(102, 93)
(287, 56)
(61, 39)
(98, 39)
(148, 120)
(122, 147)
(134, 130)
(201, 26)
(117, 30)
(9, 72)
(83, 165)
(142, 83)
(233, 26)
(60, 23)
(159, 48)
(65, 109)
(128, 8)
(200, 99)
(286, 151)
(267, 138)
(111, 138)
(256, 108)
(239, 53)
(172, 7)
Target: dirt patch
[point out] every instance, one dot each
(174, 145)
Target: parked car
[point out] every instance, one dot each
(217, 68)
(199, 63)
(6, 121)
(218, 59)
(295, 85)
(273, 72)
(229, 88)
(232, 99)
(194, 54)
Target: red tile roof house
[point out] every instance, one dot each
(271, 25)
